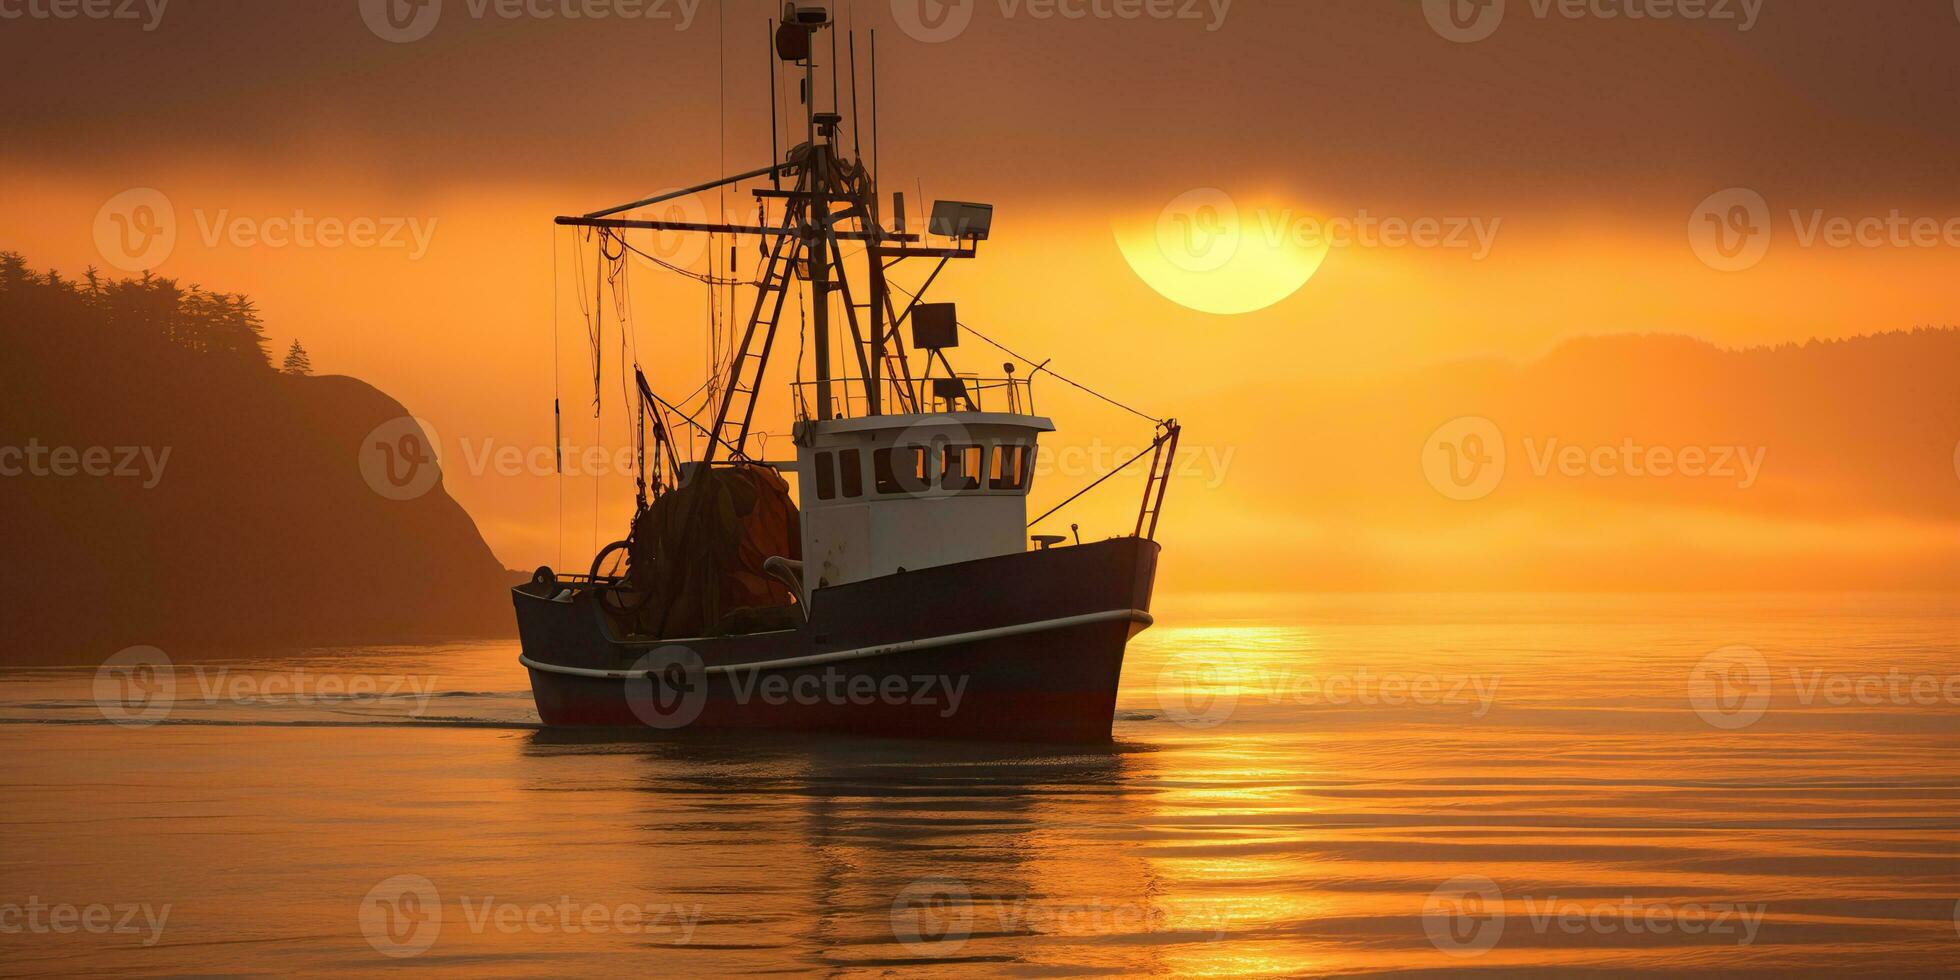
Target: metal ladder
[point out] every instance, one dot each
(776, 279)
(1162, 464)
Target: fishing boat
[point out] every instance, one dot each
(899, 592)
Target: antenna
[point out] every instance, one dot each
(775, 140)
(857, 148)
(876, 172)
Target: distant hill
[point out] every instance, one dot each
(1629, 462)
(212, 504)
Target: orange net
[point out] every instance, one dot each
(698, 553)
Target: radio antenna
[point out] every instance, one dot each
(775, 140)
(875, 171)
(857, 147)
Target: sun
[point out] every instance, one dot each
(1208, 252)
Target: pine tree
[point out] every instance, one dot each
(297, 363)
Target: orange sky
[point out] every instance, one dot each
(1584, 148)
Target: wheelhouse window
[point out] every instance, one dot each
(961, 468)
(1009, 470)
(900, 471)
(826, 476)
(850, 467)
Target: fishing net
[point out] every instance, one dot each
(698, 552)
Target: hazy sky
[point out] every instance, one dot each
(1575, 146)
(1831, 100)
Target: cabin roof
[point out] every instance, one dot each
(879, 423)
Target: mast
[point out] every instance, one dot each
(829, 198)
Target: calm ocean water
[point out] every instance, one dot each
(1320, 785)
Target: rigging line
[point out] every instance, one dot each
(557, 393)
(707, 280)
(1106, 477)
(1041, 370)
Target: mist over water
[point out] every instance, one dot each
(1312, 785)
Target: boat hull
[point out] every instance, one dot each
(1025, 647)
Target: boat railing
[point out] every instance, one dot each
(921, 396)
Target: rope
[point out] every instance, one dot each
(1106, 477)
(1044, 369)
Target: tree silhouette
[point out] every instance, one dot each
(135, 318)
(297, 363)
